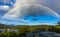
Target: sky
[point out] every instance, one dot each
(7, 5)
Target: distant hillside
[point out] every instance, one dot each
(2, 26)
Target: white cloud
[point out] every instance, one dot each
(5, 7)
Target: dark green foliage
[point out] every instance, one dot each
(8, 34)
(58, 23)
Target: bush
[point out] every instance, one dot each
(8, 34)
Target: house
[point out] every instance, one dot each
(42, 34)
(8, 30)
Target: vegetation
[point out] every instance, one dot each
(25, 29)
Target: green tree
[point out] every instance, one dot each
(58, 23)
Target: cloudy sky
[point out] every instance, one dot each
(6, 5)
(53, 4)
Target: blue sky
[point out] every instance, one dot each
(53, 4)
(7, 2)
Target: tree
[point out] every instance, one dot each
(58, 23)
